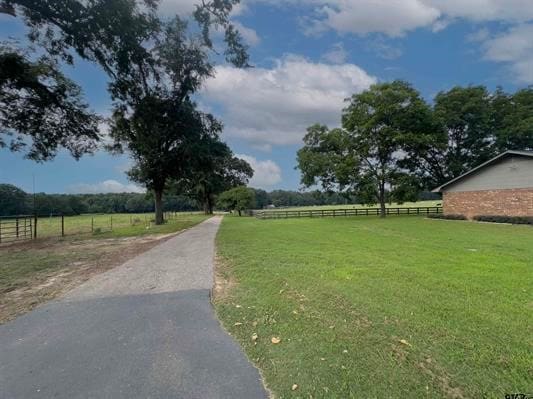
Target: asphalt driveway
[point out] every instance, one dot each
(145, 329)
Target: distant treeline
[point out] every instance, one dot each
(14, 201)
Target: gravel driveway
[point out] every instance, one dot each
(145, 329)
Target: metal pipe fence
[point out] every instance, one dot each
(28, 227)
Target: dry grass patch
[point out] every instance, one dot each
(35, 272)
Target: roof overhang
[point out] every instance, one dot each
(483, 165)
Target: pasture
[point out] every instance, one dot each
(106, 225)
(396, 308)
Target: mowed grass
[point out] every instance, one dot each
(405, 307)
(419, 204)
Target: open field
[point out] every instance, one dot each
(359, 206)
(109, 224)
(35, 271)
(399, 308)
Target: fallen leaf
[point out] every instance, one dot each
(238, 306)
(254, 337)
(345, 351)
(404, 342)
(238, 324)
(294, 387)
(276, 340)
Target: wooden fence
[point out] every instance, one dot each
(286, 214)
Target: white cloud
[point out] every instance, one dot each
(107, 186)
(275, 106)
(249, 35)
(392, 17)
(397, 17)
(485, 10)
(514, 47)
(266, 173)
(336, 55)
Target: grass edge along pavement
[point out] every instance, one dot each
(402, 307)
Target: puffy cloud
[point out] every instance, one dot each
(107, 186)
(274, 106)
(514, 47)
(336, 55)
(266, 173)
(397, 17)
(392, 17)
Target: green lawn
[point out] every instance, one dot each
(366, 308)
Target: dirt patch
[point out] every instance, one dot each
(224, 282)
(75, 262)
(442, 379)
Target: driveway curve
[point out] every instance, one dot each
(145, 329)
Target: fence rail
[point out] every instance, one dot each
(28, 227)
(427, 210)
(16, 228)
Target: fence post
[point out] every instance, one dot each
(0, 230)
(92, 225)
(62, 225)
(111, 223)
(17, 226)
(35, 227)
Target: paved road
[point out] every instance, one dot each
(143, 330)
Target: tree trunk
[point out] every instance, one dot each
(210, 204)
(382, 207)
(159, 207)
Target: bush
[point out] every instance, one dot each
(447, 217)
(505, 219)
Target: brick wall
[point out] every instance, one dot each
(515, 202)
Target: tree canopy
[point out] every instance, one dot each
(364, 157)
(215, 170)
(41, 106)
(237, 199)
(392, 143)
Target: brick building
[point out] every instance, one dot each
(502, 186)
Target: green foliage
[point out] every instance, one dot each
(155, 119)
(447, 217)
(215, 169)
(12, 200)
(237, 199)
(364, 157)
(37, 101)
(472, 125)
(43, 109)
(504, 219)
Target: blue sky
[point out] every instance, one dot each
(309, 55)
